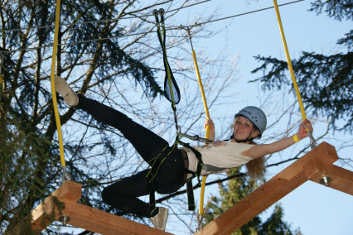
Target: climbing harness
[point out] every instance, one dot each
(172, 93)
(196, 138)
(291, 70)
(189, 186)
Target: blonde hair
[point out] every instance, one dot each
(256, 168)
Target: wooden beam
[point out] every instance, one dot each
(313, 166)
(49, 209)
(63, 204)
(273, 190)
(335, 177)
(101, 222)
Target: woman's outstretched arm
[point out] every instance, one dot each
(263, 149)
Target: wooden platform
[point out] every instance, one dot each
(317, 166)
(62, 204)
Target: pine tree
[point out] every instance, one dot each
(325, 81)
(108, 50)
(29, 163)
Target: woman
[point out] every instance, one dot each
(249, 124)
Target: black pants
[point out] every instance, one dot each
(170, 176)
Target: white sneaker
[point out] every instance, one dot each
(70, 97)
(160, 220)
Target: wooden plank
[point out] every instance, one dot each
(44, 214)
(69, 190)
(337, 178)
(313, 166)
(270, 192)
(324, 154)
(252, 205)
(99, 221)
(63, 204)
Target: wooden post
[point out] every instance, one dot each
(309, 166)
(63, 204)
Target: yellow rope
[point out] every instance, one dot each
(204, 101)
(289, 61)
(199, 81)
(52, 76)
(291, 70)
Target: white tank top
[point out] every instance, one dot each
(220, 157)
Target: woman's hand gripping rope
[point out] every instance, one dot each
(305, 129)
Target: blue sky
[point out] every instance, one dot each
(312, 207)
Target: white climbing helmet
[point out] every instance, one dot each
(255, 115)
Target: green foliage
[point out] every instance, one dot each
(274, 225)
(325, 81)
(337, 9)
